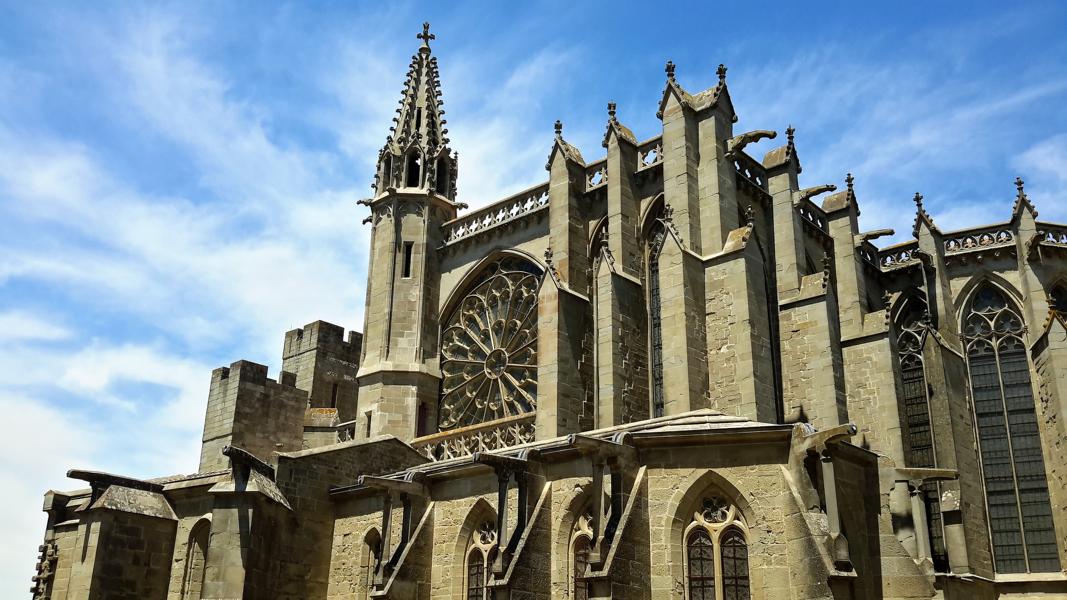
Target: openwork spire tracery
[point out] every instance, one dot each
(416, 153)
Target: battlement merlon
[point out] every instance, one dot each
(248, 409)
(325, 336)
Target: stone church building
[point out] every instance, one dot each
(670, 372)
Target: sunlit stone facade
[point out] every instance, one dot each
(670, 372)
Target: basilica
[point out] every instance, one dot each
(669, 371)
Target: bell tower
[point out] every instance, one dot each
(414, 194)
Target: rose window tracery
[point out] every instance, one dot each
(489, 348)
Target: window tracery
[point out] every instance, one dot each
(489, 347)
(655, 326)
(581, 544)
(918, 432)
(480, 558)
(717, 553)
(1013, 468)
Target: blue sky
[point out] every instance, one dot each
(178, 181)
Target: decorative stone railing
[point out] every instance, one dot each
(869, 253)
(898, 255)
(1052, 234)
(649, 153)
(596, 175)
(750, 170)
(483, 219)
(813, 216)
(465, 441)
(978, 239)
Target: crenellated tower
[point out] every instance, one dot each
(414, 194)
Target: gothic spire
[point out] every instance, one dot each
(418, 132)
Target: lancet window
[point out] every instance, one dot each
(581, 544)
(1013, 468)
(480, 558)
(489, 347)
(195, 560)
(911, 332)
(654, 247)
(368, 562)
(716, 553)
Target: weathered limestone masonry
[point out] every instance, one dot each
(672, 372)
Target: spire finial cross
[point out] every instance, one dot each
(790, 133)
(669, 68)
(1019, 186)
(611, 110)
(849, 180)
(559, 128)
(721, 72)
(426, 36)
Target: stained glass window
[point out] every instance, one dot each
(475, 576)
(489, 347)
(1017, 499)
(701, 562)
(655, 246)
(581, 560)
(734, 552)
(918, 434)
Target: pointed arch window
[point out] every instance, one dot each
(1013, 468)
(368, 561)
(654, 248)
(480, 557)
(716, 553)
(414, 170)
(195, 560)
(911, 332)
(580, 554)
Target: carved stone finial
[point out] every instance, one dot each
(849, 180)
(559, 128)
(611, 110)
(548, 256)
(918, 200)
(790, 133)
(750, 215)
(1019, 187)
(426, 36)
(721, 72)
(670, 70)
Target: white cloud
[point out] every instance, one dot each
(18, 325)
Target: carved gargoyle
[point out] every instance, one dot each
(809, 193)
(867, 236)
(738, 142)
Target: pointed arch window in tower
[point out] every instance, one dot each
(1013, 468)
(414, 170)
(655, 325)
(918, 432)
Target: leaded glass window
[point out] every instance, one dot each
(701, 562)
(655, 247)
(734, 566)
(918, 433)
(476, 576)
(1017, 499)
(489, 347)
(716, 549)
(581, 561)
(480, 557)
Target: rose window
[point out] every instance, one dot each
(489, 348)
